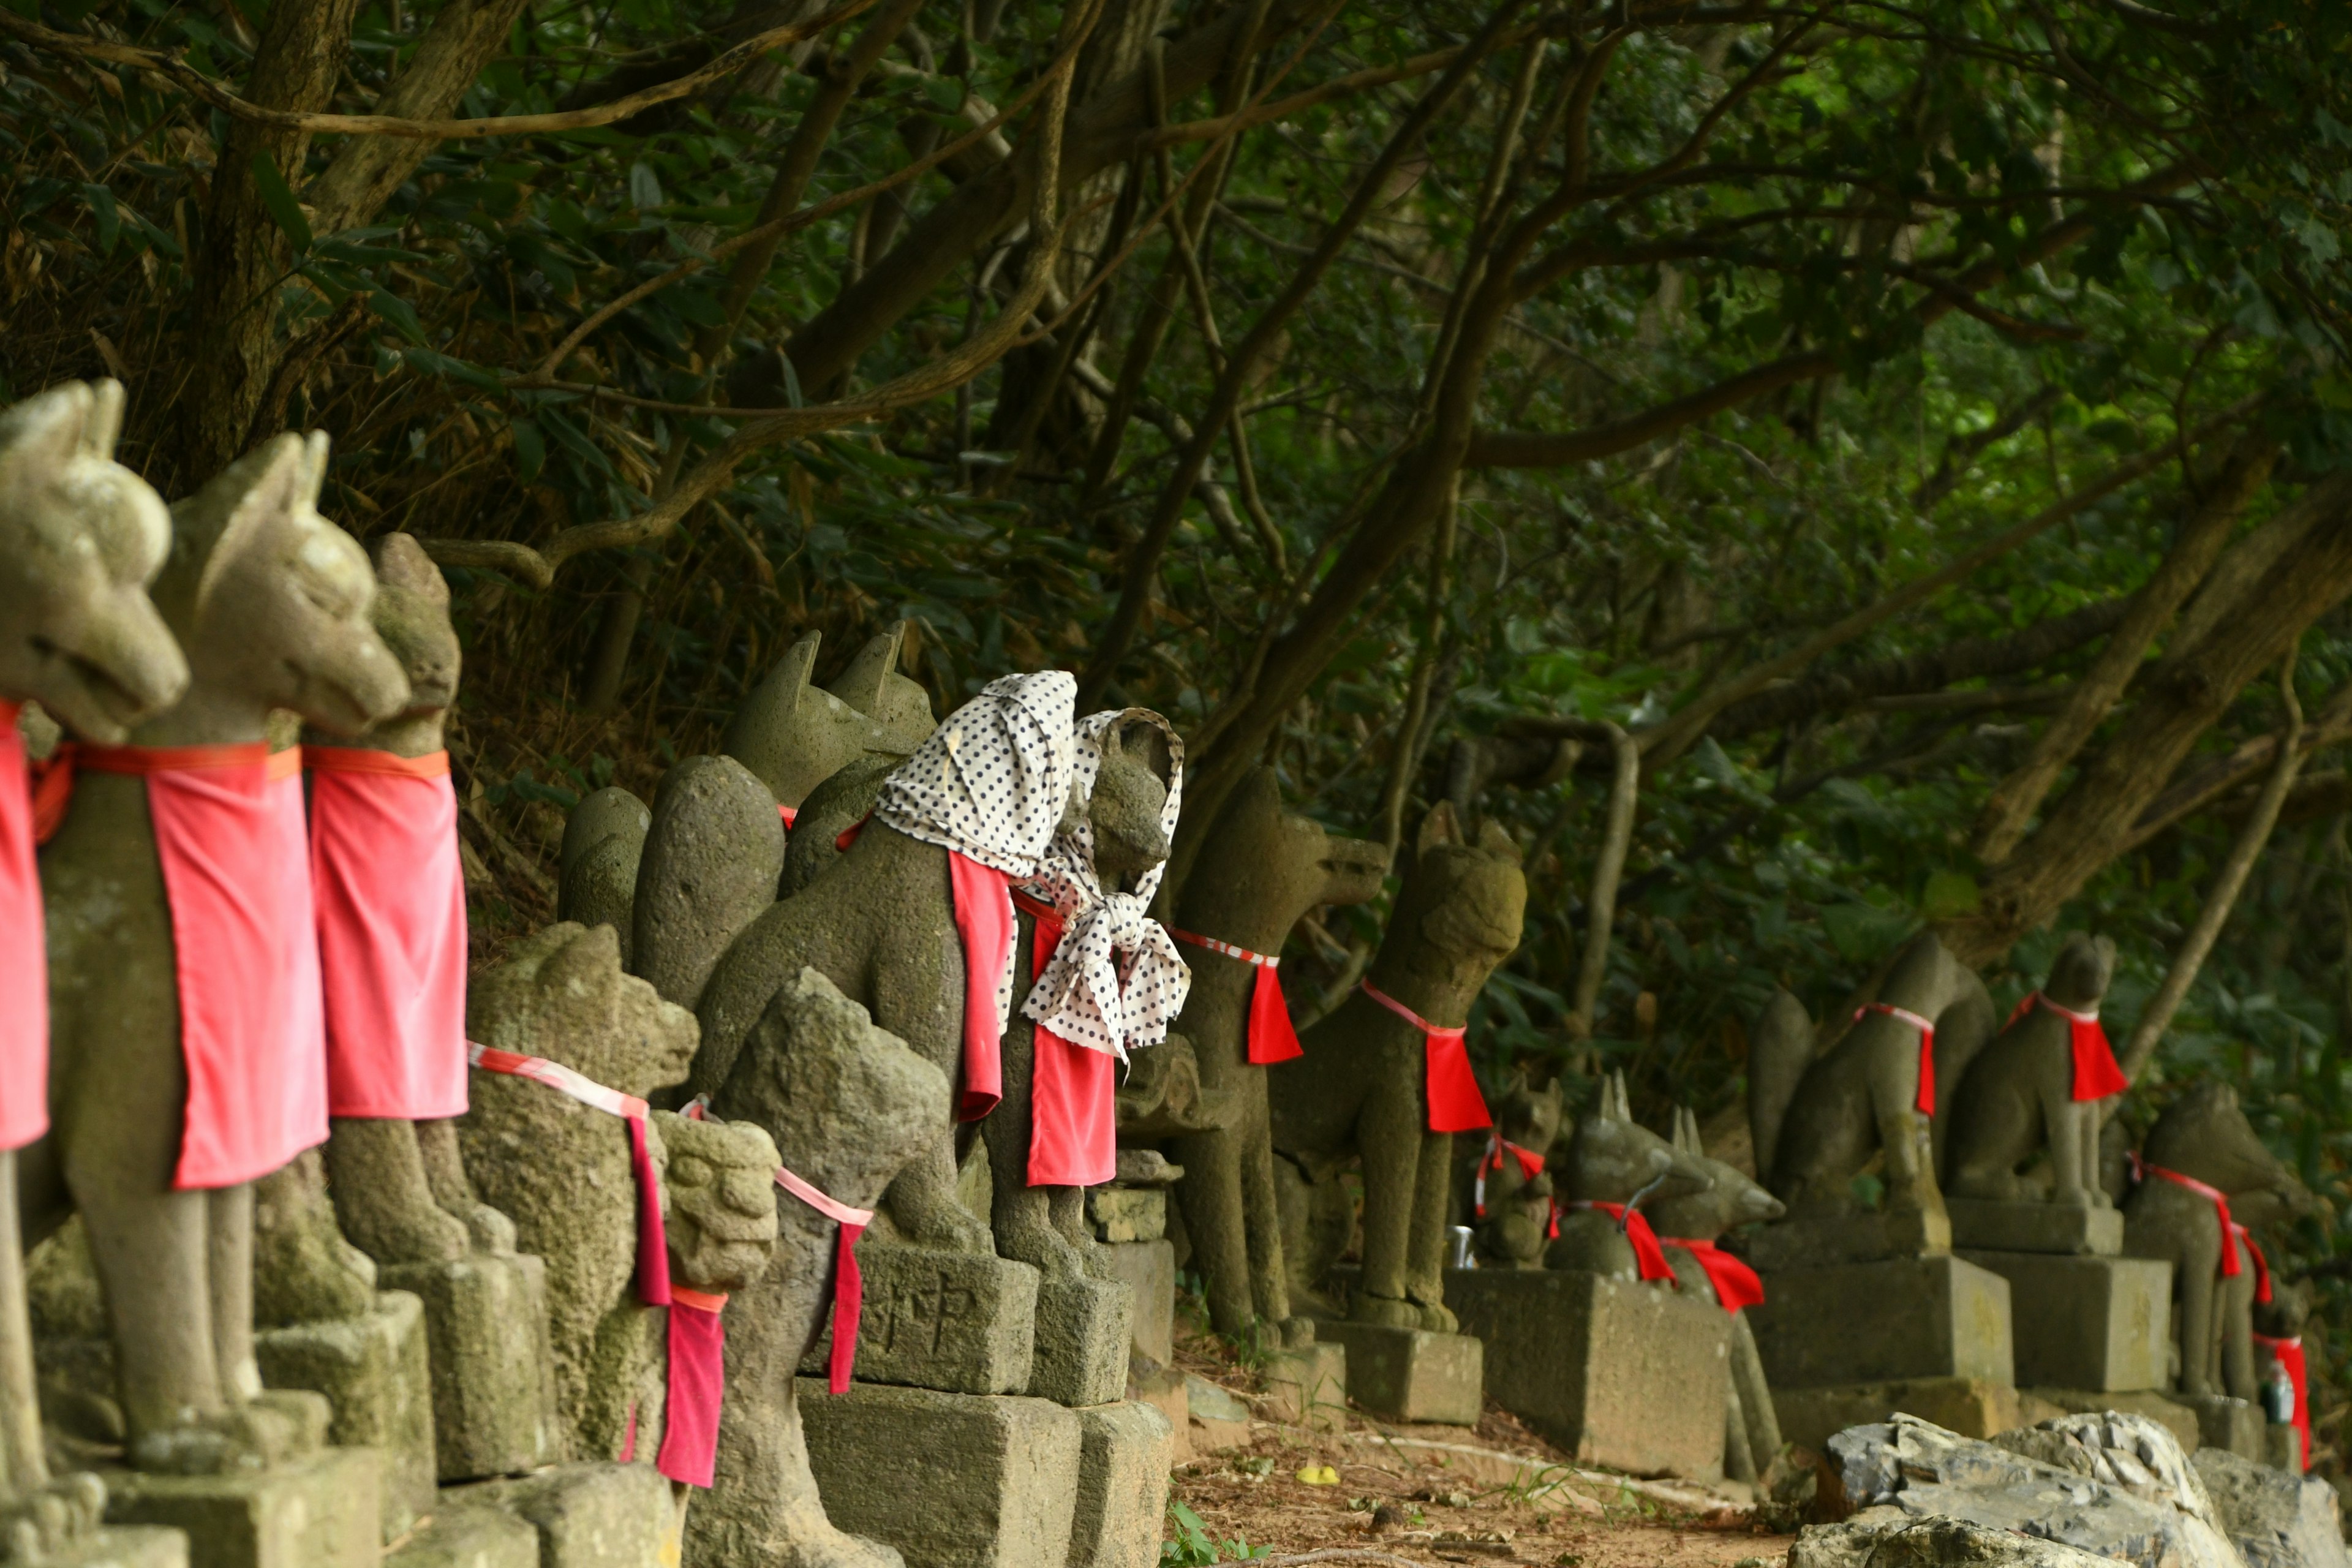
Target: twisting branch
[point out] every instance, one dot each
(1601, 908)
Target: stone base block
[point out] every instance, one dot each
(486, 1321)
(463, 1535)
(1988, 1225)
(2165, 1409)
(1309, 1386)
(1083, 1330)
(1149, 1269)
(951, 1480)
(1410, 1374)
(2102, 1324)
(1125, 1452)
(1618, 1373)
(1878, 1323)
(1818, 1241)
(588, 1515)
(962, 1322)
(1164, 1389)
(322, 1510)
(129, 1547)
(2283, 1448)
(1968, 1406)
(2224, 1422)
(1129, 1214)
(375, 1373)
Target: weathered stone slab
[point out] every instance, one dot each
(2283, 1447)
(375, 1371)
(588, 1515)
(2224, 1422)
(485, 1322)
(1988, 1225)
(1149, 1269)
(123, 1547)
(1889, 1538)
(2102, 1324)
(1129, 1214)
(962, 1322)
(2166, 1409)
(1875, 1322)
(463, 1535)
(967, 1481)
(1125, 1452)
(1618, 1373)
(1083, 1327)
(1165, 1390)
(1411, 1374)
(2279, 1519)
(1968, 1405)
(1807, 1242)
(322, 1510)
(1308, 1387)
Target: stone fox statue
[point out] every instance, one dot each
(2024, 1091)
(270, 603)
(1260, 868)
(2203, 1138)
(1363, 1086)
(1615, 1163)
(1817, 1120)
(1506, 1188)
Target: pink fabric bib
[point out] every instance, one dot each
(24, 954)
(392, 931)
(230, 837)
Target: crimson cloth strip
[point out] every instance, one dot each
(1736, 1284)
(2096, 1076)
(1273, 1037)
(1531, 1165)
(848, 1285)
(2261, 1265)
(698, 1387)
(1647, 1254)
(2289, 1355)
(362, 759)
(2231, 1266)
(791, 814)
(1073, 1113)
(1925, 1099)
(1454, 1104)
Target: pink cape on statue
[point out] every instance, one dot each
(23, 954)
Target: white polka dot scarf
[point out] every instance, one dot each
(1116, 980)
(992, 782)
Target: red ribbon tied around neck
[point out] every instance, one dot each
(848, 1285)
(1454, 1104)
(2096, 1076)
(1736, 1284)
(1925, 1099)
(2230, 1229)
(1272, 1036)
(1648, 1255)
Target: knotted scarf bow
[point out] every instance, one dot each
(1736, 1284)
(1648, 1255)
(2096, 1076)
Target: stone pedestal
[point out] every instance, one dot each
(2098, 1323)
(2224, 1422)
(1309, 1386)
(1169, 1392)
(582, 1516)
(375, 1371)
(463, 1535)
(962, 1322)
(1878, 1323)
(1125, 1452)
(1149, 1269)
(1083, 1327)
(125, 1547)
(1410, 1374)
(2283, 1448)
(951, 1480)
(1820, 1241)
(1986, 1224)
(1629, 1376)
(486, 1321)
(322, 1510)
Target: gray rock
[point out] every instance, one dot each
(2279, 1520)
(374, 1369)
(469, 1535)
(1213, 1401)
(1887, 1537)
(962, 1323)
(1082, 1330)
(589, 1516)
(319, 1511)
(710, 863)
(2111, 1484)
(1124, 1454)
(493, 1380)
(603, 840)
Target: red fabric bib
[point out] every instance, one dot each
(23, 954)
(698, 1387)
(1647, 1253)
(791, 814)
(2289, 1353)
(848, 1285)
(2230, 1229)
(230, 837)
(1272, 1036)
(1454, 1104)
(392, 931)
(1925, 1099)
(1073, 1110)
(2096, 1076)
(1736, 1284)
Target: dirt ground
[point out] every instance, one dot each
(1441, 1494)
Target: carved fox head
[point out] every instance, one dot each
(1460, 910)
(1262, 867)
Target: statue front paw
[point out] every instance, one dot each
(1387, 1312)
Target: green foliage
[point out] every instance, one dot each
(1193, 1547)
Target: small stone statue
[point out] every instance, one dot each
(2037, 1087)
(570, 1174)
(710, 867)
(848, 1106)
(80, 538)
(1615, 1169)
(795, 735)
(1819, 1120)
(2203, 1171)
(1260, 868)
(170, 1102)
(1512, 1202)
(1385, 1075)
(603, 840)
(1689, 1226)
